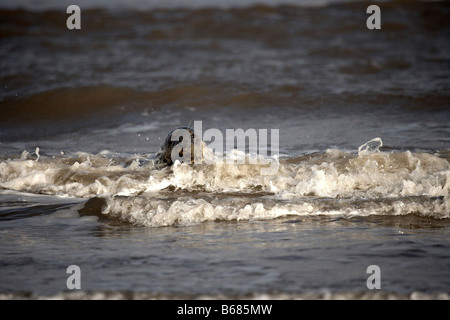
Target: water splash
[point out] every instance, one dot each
(371, 146)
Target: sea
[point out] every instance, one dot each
(357, 208)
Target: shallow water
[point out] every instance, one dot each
(85, 111)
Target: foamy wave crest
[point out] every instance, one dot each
(329, 183)
(373, 175)
(188, 211)
(335, 174)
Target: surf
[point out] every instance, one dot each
(134, 190)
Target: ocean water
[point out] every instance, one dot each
(363, 164)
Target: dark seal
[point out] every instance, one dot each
(164, 156)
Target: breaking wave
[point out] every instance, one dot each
(333, 182)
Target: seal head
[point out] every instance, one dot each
(165, 157)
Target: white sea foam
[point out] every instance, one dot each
(329, 183)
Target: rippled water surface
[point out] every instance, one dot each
(83, 113)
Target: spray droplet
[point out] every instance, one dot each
(37, 153)
(371, 146)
